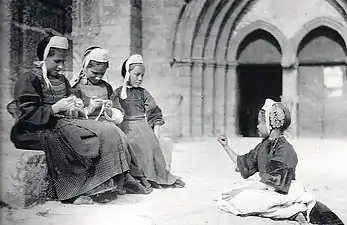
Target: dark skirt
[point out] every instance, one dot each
(135, 170)
(149, 155)
(322, 215)
(82, 155)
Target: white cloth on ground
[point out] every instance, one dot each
(268, 203)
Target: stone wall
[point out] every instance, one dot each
(162, 81)
(136, 27)
(109, 28)
(6, 120)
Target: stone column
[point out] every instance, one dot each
(231, 101)
(290, 96)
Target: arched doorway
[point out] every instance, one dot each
(322, 84)
(259, 76)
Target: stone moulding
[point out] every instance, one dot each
(205, 29)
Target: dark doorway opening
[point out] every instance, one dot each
(255, 84)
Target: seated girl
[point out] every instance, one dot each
(278, 194)
(102, 105)
(86, 159)
(142, 121)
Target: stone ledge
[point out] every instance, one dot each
(24, 177)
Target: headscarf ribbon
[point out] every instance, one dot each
(91, 54)
(133, 59)
(54, 42)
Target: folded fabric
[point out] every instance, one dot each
(268, 203)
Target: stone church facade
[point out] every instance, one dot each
(209, 64)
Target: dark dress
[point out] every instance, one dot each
(82, 155)
(141, 115)
(104, 91)
(276, 162)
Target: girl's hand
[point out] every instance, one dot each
(108, 104)
(223, 140)
(64, 104)
(157, 131)
(79, 107)
(79, 104)
(94, 103)
(108, 107)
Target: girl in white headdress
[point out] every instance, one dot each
(141, 123)
(86, 159)
(278, 195)
(97, 95)
(101, 104)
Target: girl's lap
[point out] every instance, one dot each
(89, 127)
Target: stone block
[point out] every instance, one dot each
(24, 178)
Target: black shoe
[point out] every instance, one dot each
(134, 187)
(144, 182)
(121, 192)
(179, 184)
(155, 185)
(105, 196)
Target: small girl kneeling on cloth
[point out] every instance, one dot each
(278, 195)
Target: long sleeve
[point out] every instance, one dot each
(153, 112)
(31, 108)
(114, 98)
(116, 104)
(248, 164)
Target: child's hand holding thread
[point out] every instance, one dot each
(108, 107)
(94, 103)
(79, 104)
(108, 104)
(64, 104)
(79, 107)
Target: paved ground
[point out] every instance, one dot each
(208, 171)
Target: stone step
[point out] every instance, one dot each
(24, 177)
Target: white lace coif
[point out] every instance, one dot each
(134, 59)
(267, 107)
(97, 54)
(54, 42)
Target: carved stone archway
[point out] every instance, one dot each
(202, 49)
(310, 26)
(259, 25)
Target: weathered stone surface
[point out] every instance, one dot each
(24, 178)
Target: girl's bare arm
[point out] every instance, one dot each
(223, 140)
